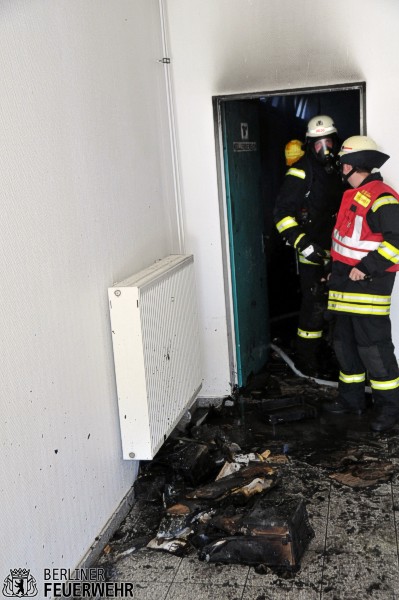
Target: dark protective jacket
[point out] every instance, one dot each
(308, 202)
(371, 296)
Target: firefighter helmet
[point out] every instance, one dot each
(321, 126)
(322, 140)
(361, 152)
(293, 152)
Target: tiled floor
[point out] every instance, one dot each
(353, 555)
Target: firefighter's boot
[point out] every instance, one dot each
(340, 407)
(386, 419)
(386, 402)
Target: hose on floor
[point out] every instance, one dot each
(289, 362)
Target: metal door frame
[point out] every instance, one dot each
(218, 102)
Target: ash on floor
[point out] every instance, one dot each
(265, 497)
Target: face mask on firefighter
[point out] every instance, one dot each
(322, 148)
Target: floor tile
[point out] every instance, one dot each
(148, 591)
(317, 503)
(147, 566)
(361, 521)
(275, 593)
(317, 544)
(359, 595)
(308, 577)
(196, 591)
(395, 496)
(356, 576)
(395, 476)
(193, 570)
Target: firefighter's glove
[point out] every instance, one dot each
(311, 251)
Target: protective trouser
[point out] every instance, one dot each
(311, 315)
(363, 347)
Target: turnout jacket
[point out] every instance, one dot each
(366, 235)
(308, 202)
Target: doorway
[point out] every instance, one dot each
(261, 281)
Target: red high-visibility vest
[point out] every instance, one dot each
(352, 237)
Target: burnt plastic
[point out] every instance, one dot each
(271, 537)
(287, 410)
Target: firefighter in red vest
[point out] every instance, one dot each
(305, 213)
(365, 254)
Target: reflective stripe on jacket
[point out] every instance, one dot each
(359, 304)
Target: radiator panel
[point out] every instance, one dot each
(154, 321)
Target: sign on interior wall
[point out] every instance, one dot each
(244, 145)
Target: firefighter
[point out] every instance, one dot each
(365, 254)
(305, 214)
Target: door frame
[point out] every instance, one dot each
(218, 102)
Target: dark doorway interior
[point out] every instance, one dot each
(279, 118)
(283, 118)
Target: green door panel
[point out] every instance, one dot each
(246, 223)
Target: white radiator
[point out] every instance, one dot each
(156, 347)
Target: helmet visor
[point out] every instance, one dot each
(323, 147)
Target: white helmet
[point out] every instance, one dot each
(320, 126)
(362, 152)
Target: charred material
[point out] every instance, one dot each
(243, 483)
(363, 471)
(286, 410)
(269, 535)
(232, 487)
(193, 462)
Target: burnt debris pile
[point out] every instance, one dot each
(224, 500)
(236, 483)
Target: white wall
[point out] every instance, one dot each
(86, 201)
(237, 46)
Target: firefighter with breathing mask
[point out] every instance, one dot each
(305, 213)
(365, 254)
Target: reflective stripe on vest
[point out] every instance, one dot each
(286, 223)
(314, 335)
(346, 252)
(296, 173)
(385, 385)
(355, 378)
(354, 240)
(352, 236)
(352, 246)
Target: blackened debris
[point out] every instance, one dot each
(149, 486)
(233, 484)
(271, 534)
(243, 483)
(173, 546)
(193, 461)
(363, 471)
(288, 409)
